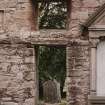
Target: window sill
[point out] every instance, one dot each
(96, 100)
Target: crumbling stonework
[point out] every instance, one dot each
(17, 79)
(18, 35)
(78, 73)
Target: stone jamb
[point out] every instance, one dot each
(93, 72)
(35, 11)
(36, 75)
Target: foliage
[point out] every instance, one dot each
(52, 64)
(52, 15)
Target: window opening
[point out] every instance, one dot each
(52, 14)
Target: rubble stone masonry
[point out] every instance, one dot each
(18, 77)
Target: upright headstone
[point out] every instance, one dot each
(51, 91)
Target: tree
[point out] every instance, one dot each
(52, 15)
(52, 64)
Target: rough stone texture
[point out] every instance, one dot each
(18, 77)
(81, 11)
(78, 74)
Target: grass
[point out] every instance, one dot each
(63, 102)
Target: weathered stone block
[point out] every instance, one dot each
(10, 103)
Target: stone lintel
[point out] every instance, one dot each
(41, 37)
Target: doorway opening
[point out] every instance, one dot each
(52, 74)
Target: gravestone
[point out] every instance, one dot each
(51, 91)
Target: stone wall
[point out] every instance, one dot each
(17, 75)
(80, 12)
(78, 56)
(18, 84)
(78, 74)
(18, 15)
(17, 61)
